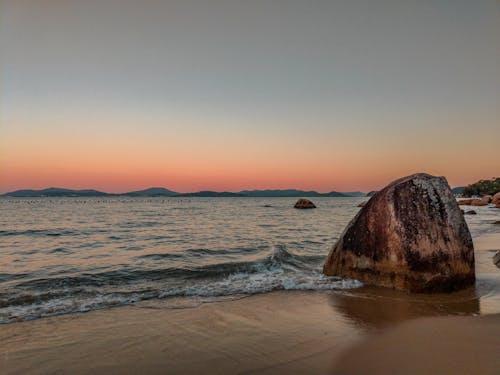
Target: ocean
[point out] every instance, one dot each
(63, 255)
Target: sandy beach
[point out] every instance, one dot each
(366, 330)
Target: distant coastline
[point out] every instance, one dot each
(162, 192)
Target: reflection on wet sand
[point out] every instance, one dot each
(373, 307)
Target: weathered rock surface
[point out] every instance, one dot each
(410, 236)
(304, 203)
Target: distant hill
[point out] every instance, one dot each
(56, 192)
(353, 194)
(210, 194)
(152, 192)
(162, 192)
(293, 193)
(458, 190)
(483, 187)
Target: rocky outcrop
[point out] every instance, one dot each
(496, 199)
(362, 204)
(410, 236)
(484, 201)
(304, 203)
(474, 202)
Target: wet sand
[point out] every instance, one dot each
(292, 333)
(444, 345)
(363, 331)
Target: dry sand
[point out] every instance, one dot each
(364, 331)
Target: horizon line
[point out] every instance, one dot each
(182, 192)
(2, 192)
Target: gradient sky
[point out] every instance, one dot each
(227, 95)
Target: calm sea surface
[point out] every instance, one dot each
(60, 255)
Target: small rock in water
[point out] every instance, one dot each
(304, 203)
(470, 212)
(497, 222)
(411, 237)
(362, 204)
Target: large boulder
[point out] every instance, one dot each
(304, 203)
(410, 236)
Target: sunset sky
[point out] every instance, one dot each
(229, 95)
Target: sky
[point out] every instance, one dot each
(228, 95)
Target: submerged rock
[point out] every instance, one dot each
(304, 203)
(470, 212)
(410, 236)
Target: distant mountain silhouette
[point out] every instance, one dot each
(159, 191)
(354, 194)
(210, 194)
(296, 193)
(56, 192)
(458, 190)
(152, 192)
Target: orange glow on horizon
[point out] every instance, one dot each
(131, 160)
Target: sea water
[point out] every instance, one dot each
(62, 255)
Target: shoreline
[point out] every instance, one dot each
(294, 332)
